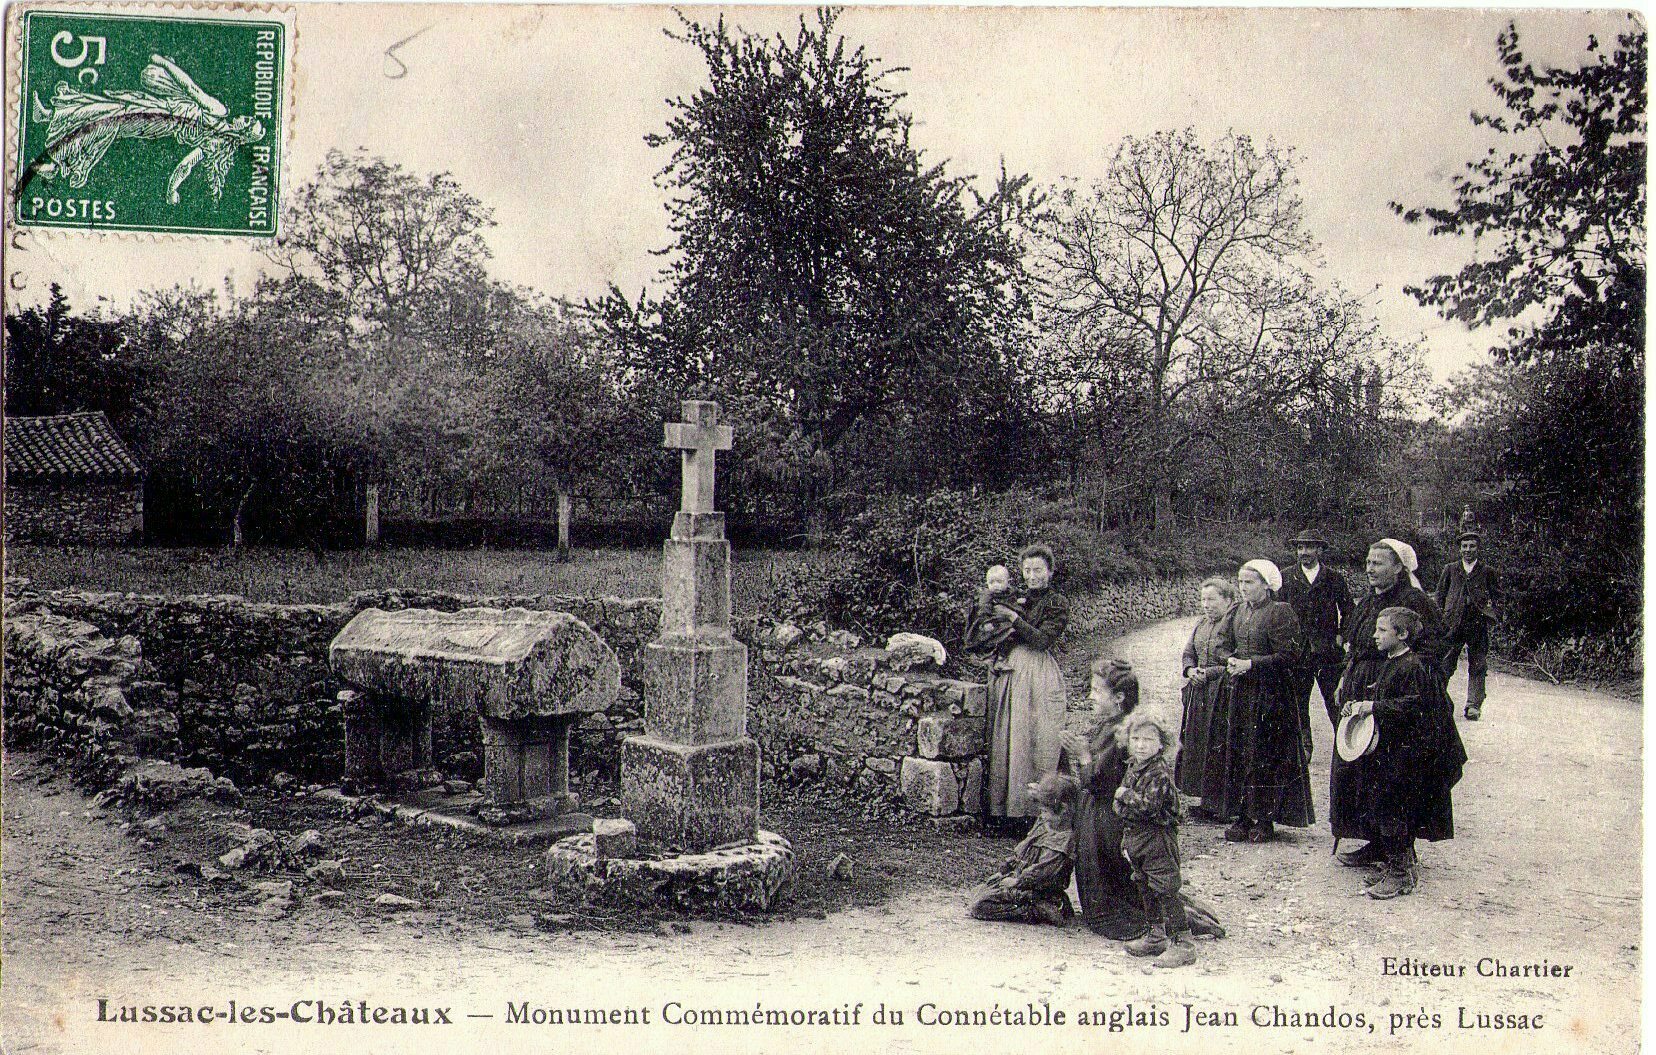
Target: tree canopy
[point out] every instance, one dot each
(825, 280)
(1558, 210)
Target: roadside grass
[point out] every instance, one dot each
(758, 580)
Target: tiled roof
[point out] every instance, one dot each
(66, 446)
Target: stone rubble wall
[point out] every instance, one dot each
(1118, 607)
(74, 512)
(249, 685)
(74, 690)
(243, 688)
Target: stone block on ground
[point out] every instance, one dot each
(755, 877)
(162, 784)
(692, 797)
(929, 786)
(614, 837)
(307, 843)
(329, 873)
(806, 767)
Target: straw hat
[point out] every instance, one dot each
(1356, 737)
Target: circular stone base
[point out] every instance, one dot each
(752, 878)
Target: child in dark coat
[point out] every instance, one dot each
(1401, 790)
(1150, 808)
(1032, 886)
(988, 631)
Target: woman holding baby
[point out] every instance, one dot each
(1019, 630)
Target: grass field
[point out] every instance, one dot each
(296, 576)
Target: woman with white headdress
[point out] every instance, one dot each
(1266, 782)
(1392, 584)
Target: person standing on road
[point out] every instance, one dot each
(1401, 790)
(1264, 766)
(1322, 601)
(1392, 584)
(1467, 591)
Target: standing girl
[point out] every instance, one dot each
(1203, 728)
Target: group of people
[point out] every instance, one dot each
(1107, 803)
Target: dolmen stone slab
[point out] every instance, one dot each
(529, 675)
(753, 877)
(511, 665)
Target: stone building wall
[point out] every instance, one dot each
(243, 688)
(74, 512)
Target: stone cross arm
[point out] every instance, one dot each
(698, 436)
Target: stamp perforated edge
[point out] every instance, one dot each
(266, 12)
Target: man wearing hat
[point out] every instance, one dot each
(1322, 601)
(1467, 591)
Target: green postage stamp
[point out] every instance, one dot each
(157, 121)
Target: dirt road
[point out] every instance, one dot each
(1546, 867)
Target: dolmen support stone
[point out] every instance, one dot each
(530, 676)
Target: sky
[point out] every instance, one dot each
(541, 112)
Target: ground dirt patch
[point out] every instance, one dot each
(464, 877)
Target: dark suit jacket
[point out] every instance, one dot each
(1461, 595)
(1324, 611)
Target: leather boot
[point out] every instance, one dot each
(1370, 853)
(1057, 911)
(1154, 942)
(1180, 952)
(1475, 691)
(1398, 878)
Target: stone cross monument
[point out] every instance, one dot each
(691, 782)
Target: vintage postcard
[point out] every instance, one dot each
(559, 528)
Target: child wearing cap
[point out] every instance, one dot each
(1401, 789)
(1032, 885)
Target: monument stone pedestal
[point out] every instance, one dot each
(527, 761)
(690, 783)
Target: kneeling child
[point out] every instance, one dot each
(1032, 886)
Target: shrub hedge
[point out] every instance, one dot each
(915, 562)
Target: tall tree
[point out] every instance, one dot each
(368, 243)
(1558, 210)
(1178, 307)
(58, 362)
(824, 279)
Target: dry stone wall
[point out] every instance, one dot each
(71, 688)
(243, 689)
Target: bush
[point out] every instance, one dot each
(915, 562)
(1603, 656)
